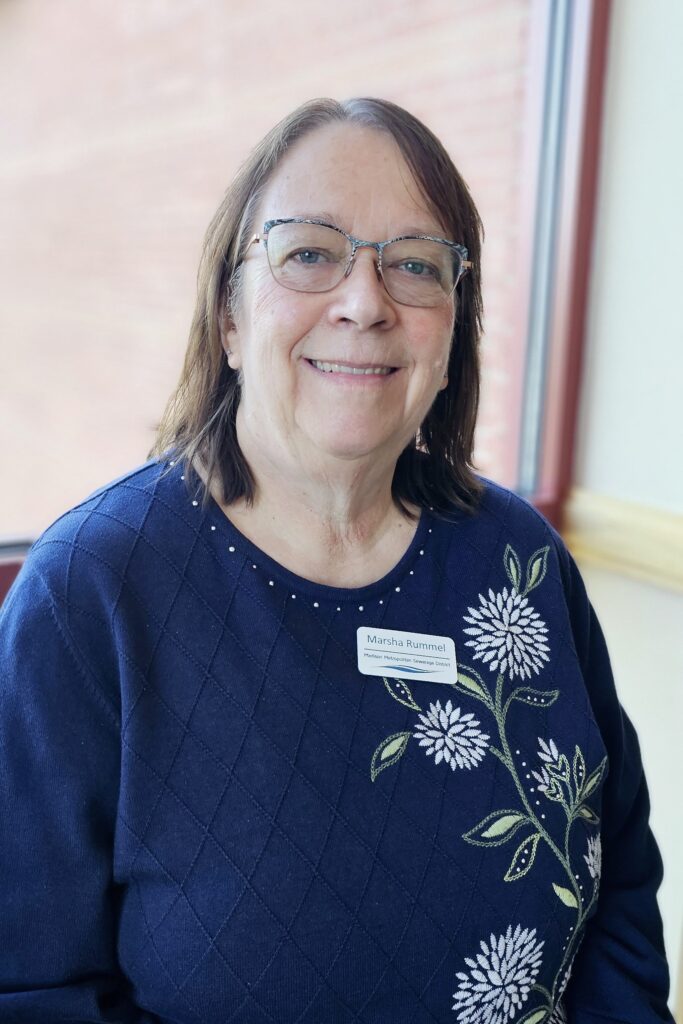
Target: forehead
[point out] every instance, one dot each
(355, 176)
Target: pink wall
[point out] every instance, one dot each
(122, 124)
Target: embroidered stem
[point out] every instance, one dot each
(500, 715)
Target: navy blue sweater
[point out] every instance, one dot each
(210, 815)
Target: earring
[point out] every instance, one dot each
(228, 352)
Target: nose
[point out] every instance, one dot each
(361, 298)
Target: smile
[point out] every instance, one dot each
(365, 371)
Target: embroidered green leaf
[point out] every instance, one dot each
(566, 895)
(560, 768)
(388, 752)
(579, 770)
(535, 698)
(535, 1017)
(594, 779)
(588, 814)
(501, 826)
(471, 683)
(513, 567)
(496, 828)
(523, 858)
(536, 568)
(400, 691)
(553, 791)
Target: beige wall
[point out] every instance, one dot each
(631, 433)
(631, 421)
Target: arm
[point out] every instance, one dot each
(59, 770)
(620, 973)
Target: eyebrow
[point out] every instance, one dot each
(320, 215)
(432, 232)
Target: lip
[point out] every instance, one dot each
(355, 377)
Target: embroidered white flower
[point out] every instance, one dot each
(543, 779)
(500, 978)
(548, 752)
(594, 856)
(554, 766)
(508, 635)
(548, 784)
(451, 736)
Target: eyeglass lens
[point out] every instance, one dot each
(314, 258)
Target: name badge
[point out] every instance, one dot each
(400, 655)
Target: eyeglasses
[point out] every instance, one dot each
(312, 256)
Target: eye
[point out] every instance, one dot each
(311, 257)
(418, 268)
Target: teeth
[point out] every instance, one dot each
(380, 371)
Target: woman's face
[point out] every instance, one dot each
(355, 178)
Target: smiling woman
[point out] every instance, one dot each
(391, 160)
(304, 721)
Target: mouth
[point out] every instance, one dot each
(348, 368)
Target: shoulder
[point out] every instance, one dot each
(514, 515)
(521, 550)
(506, 552)
(55, 623)
(94, 541)
(109, 558)
(505, 524)
(120, 504)
(91, 578)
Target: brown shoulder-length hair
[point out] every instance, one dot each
(198, 425)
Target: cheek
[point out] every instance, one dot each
(448, 328)
(280, 319)
(433, 340)
(264, 300)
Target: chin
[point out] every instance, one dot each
(348, 445)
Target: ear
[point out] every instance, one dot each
(444, 383)
(230, 341)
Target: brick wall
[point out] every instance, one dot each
(122, 123)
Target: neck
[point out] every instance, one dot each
(335, 524)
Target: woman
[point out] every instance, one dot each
(303, 721)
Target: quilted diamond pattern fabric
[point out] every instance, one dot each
(212, 816)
